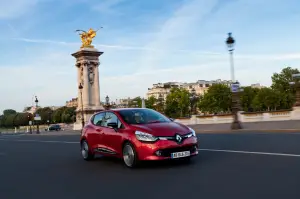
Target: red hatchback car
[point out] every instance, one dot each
(137, 134)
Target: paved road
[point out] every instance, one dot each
(237, 165)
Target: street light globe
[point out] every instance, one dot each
(230, 42)
(36, 99)
(80, 86)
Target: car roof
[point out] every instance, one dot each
(121, 109)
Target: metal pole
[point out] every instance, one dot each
(235, 96)
(232, 66)
(82, 115)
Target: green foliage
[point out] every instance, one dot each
(10, 118)
(150, 102)
(247, 97)
(280, 83)
(216, 99)
(266, 99)
(45, 114)
(177, 103)
(9, 112)
(135, 102)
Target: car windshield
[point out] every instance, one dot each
(142, 116)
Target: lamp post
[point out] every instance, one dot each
(234, 85)
(80, 87)
(29, 123)
(107, 102)
(37, 123)
(192, 100)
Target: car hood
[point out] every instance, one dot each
(162, 129)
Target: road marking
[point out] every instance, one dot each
(251, 152)
(212, 150)
(41, 141)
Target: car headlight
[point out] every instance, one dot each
(145, 137)
(193, 132)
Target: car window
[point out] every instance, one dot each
(111, 118)
(142, 116)
(98, 119)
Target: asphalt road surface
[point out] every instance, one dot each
(237, 165)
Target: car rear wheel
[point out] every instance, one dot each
(85, 151)
(129, 155)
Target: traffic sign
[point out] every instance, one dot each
(235, 87)
(37, 118)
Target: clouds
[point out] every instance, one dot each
(16, 8)
(107, 6)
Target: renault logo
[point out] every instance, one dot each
(178, 138)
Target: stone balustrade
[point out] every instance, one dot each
(281, 115)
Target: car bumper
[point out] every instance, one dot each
(162, 149)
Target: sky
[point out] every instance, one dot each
(144, 42)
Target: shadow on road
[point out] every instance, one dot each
(179, 163)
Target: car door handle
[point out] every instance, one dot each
(98, 130)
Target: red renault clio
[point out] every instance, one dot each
(137, 134)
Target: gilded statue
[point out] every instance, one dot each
(87, 37)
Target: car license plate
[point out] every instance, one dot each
(180, 154)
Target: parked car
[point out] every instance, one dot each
(55, 127)
(137, 134)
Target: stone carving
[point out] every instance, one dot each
(81, 77)
(91, 75)
(87, 37)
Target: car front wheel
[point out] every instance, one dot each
(85, 151)
(129, 155)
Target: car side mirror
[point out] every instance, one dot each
(171, 119)
(113, 125)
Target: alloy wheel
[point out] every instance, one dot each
(84, 149)
(128, 155)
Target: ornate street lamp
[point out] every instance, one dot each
(37, 123)
(234, 85)
(107, 102)
(80, 87)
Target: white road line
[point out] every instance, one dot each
(41, 141)
(212, 150)
(251, 152)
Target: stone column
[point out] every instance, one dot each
(96, 85)
(86, 86)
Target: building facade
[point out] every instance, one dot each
(72, 103)
(200, 87)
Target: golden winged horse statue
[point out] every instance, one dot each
(87, 37)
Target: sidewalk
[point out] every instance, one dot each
(272, 126)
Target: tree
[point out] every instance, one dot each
(177, 103)
(57, 115)
(150, 102)
(216, 99)
(266, 99)
(135, 102)
(9, 112)
(69, 115)
(280, 83)
(247, 97)
(45, 114)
